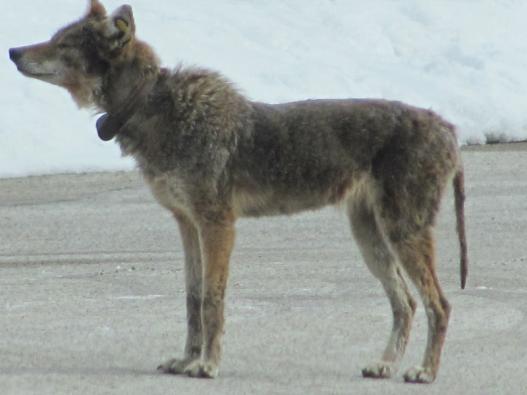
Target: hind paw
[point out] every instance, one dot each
(379, 370)
(419, 375)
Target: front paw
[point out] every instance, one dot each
(177, 366)
(199, 369)
(419, 375)
(379, 370)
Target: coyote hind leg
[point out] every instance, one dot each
(383, 265)
(417, 255)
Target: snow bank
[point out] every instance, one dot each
(464, 59)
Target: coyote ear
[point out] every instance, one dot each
(123, 19)
(96, 9)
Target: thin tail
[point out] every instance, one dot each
(459, 197)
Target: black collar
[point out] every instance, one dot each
(111, 124)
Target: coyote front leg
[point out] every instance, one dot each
(193, 281)
(217, 240)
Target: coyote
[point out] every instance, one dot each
(211, 156)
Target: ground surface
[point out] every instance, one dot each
(91, 290)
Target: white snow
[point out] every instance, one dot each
(465, 59)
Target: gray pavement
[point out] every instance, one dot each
(91, 291)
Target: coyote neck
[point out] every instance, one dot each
(127, 79)
(125, 84)
(122, 107)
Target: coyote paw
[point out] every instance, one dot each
(176, 366)
(379, 370)
(206, 370)
(420, 375)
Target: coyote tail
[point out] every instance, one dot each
(459, 197)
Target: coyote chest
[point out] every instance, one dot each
(169, 190)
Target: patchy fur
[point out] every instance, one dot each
(211, 156)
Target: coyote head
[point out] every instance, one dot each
(80, 56)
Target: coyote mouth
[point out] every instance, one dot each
(35, 75)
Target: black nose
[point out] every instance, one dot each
(15, 54)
